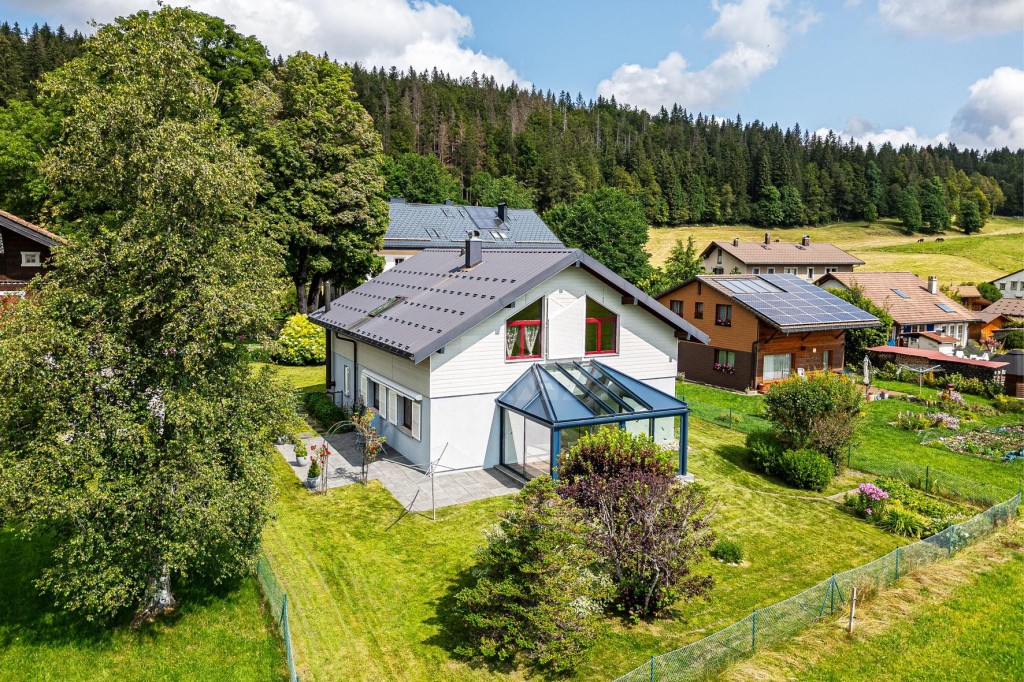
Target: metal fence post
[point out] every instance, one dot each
(753, 631)
(897, 563)
(832, 595)
(652, 668)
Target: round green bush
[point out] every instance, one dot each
(807, 469)
(727, 551)
(300, 343)
(765, 450)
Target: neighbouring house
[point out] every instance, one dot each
(1014, 360)
(480, 357)
(915, 305)
(414, 227)
(761, 328)
(24, 251)
(986, 370)
(985, 329)
(970, 297)
(1011, 285)
(804, 259)
(932, 341)
(1010, 307)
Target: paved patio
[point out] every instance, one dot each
(409, 484)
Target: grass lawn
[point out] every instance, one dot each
(956, 620)
(367, 596)
(878, 441)
(222, 635)
(882, 246)
(309, 379)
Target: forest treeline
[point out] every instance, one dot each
(478, 141)
(683, 167)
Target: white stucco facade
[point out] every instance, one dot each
(454, 390)
(1012, 285)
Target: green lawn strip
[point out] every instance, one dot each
(1004, 251)
(215, 634)
(911, 388)
(301, 379)
(955, 620)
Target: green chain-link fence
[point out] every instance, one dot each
(728, 417)
(773, 623)
(277, 599)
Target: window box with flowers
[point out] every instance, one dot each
(725, 361)
(723, 315)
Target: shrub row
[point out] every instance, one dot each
(321, 407)
(972, 385)
(802, 467)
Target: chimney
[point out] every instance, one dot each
(474, 249)
(767, 238)
(449, 202)
(328, 295)
(806, 241)
(933, 284)
(502, 212)
(396, 200)
(735, 241)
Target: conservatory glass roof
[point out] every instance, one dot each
(576, 393)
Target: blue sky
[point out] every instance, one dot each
(905, 70)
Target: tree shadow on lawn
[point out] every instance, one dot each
(29, 616)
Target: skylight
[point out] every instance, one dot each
(899, 292)
(945, 307)
(387, 305)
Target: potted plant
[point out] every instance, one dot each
(302, 455)
(313, 475)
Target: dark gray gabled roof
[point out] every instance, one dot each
(422, 226)
(418, 306)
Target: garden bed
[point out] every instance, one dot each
(991, 444)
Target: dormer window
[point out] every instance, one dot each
(602, 329)
(523, 333)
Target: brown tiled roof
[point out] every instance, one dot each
(1012, 307)
(42, 232)
(939, 357)
(941, 338)
(784, 253)
(967, 291)
(919, 306)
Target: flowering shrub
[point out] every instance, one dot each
(894, 506)
(945, 420)
(300, 343)
(912, 421)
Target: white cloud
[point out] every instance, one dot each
(398, 33)
(756, 31)
(953, 18)
(991, 118)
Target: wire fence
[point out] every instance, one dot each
(730, 418)
(277, 600)
(774, 623)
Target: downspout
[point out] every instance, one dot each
(684, 438)
(329, 382)
(754, 349)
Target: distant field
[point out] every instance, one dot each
(884, 246)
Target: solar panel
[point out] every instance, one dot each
(945, 307)
(900, 293)
(788, 301)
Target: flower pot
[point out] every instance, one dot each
(302, 460)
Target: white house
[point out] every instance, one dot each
(483, 357)
(1012, 285)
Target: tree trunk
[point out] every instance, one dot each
(160, 600)
(300, 297)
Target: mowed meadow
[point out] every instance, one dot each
(883, 246)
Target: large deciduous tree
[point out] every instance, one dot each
(609, 225)
(325, 193)
(133, 429)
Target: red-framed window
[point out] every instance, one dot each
(524, 333)
(602, 330)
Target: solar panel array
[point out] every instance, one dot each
(789, 302)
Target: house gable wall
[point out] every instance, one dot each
(10, 259)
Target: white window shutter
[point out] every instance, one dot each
(348, 380)
(392, 407)
(363, 390)
(416, 420)
(382, 400)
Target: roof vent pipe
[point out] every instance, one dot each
(474, 249)
(806, 241)
(328, 295)
(502, 212)
(933, 284)
(449, 202)
(735, 241)
(767, 238)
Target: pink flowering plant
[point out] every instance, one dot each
(870, 501)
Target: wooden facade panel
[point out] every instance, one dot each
(807, 350)
(10, 259)
(739, 337)
(697, 361)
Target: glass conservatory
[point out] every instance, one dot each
(551, 405)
